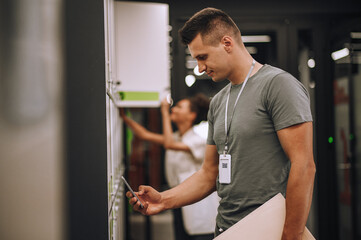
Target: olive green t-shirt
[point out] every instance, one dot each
(271, 100)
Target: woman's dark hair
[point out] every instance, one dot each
(199, 104)
(211, 23)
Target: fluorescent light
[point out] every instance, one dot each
(311, 63)
(356, 35)
(190, 80)
(340, 54)
(196, 71)
(191, 64)
(170, 99)
(256, 38)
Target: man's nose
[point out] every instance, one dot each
(201, 67)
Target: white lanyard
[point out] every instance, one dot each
(225, 115)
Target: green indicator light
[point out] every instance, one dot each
(330, 139)
(352, 136)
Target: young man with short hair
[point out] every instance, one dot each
(260, 133)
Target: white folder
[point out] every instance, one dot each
(266, 222)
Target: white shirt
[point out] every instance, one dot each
(181, 162)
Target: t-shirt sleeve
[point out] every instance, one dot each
(197, 145)
(287, 101)
(210, 115)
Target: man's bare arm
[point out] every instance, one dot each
(297, 144)
(195, 188)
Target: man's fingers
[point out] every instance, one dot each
(129, 194)
(137, 207)
(143, 189)
(142, 193)
(133, 200)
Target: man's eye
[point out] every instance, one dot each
(201, 58)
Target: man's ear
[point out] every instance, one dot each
(227, 43)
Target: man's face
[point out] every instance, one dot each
(213, 59)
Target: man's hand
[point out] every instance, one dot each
(151, 199)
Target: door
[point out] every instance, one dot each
(346, 56)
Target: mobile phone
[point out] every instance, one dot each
(131, 190)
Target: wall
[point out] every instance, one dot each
(85, 120)
(31, 121)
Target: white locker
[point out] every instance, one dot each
(137, 75)
(115, 167)
(141, 44)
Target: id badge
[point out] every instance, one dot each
(224, 168)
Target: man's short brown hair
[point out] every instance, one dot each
(212, 24)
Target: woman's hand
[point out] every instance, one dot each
(122, 113)
(164, 105)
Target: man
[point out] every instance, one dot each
(260, 133)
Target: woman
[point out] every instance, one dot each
(184, 151)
